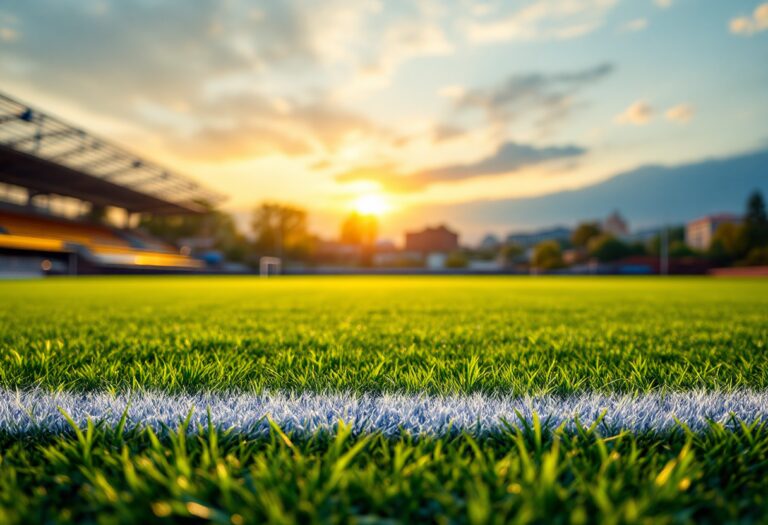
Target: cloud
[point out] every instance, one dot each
(638, 113)
(548, 96)
(195, 67)
(749, 25)
(641, 112)
(442, 132)
(158, 51)
(452, 92)
(635, 25)
(402, 42)
(213, 143)
(543, 19)
(9, 27)
(508, 158)
(8, 34)
(681, 113)
(255, 125)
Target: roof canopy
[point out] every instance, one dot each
(45, 154)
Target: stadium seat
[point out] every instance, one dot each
(106, 247)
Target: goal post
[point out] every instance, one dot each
(269, 266)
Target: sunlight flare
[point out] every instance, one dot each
(372, 204)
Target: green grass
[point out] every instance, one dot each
(523, 476)
(432, 335)
(437, 335)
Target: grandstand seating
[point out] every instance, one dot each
(105, 246)
(60, 229)
(42, 156)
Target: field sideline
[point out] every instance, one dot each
(366, 399)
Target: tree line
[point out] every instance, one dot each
(274, 229)
(744, 244)
(282, 230)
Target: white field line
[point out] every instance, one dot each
(23, 411)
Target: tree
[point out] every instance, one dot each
(585, 232)
(509, 253)
(359, 229)
(674, 234)
(281, 230)
(680, 249)
(756, 222)
(757, 257)
(606, 248)
(456, 260)
(547, 255)
(728, 243)
(215, 225)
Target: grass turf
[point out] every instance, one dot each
(521, 476)
(436, 335)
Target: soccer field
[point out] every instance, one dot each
(362, 399)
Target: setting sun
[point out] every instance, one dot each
(371, 204)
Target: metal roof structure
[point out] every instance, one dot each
(47, 155)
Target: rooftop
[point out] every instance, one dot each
(718, 217)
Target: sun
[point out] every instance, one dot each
(371, 204)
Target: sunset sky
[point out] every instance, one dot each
(397, 105)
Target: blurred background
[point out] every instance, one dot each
(251, 136)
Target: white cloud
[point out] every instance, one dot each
(741, 26)
(749, 25)
(638, 113)
(405, 41)
(544, 19)
(8, 27)
(681, 113)
(8, 34)
(761, 16)
(452, 92)
(638, 24)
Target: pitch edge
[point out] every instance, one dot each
(26, 411)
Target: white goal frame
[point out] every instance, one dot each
(267, 263)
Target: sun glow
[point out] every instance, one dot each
(372, 204)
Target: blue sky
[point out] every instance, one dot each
(416, 104)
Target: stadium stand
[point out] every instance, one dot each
(42, 156)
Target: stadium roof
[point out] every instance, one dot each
(45, 154)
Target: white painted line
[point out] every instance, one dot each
(35, 410)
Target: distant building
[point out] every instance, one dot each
(531, 239)
(616, 225)
(574, 255)
(485, 266)
(644, 236)
(699, 233)
(436, 260)
(432, 240)
(386, 254)
(338, 253)
(490, 242)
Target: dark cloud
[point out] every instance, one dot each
(443, 132)
(113, 53)
(159, 63)
(508, 158)
(549, 97)
(645, 195)
(120, 58)
(113, 56)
